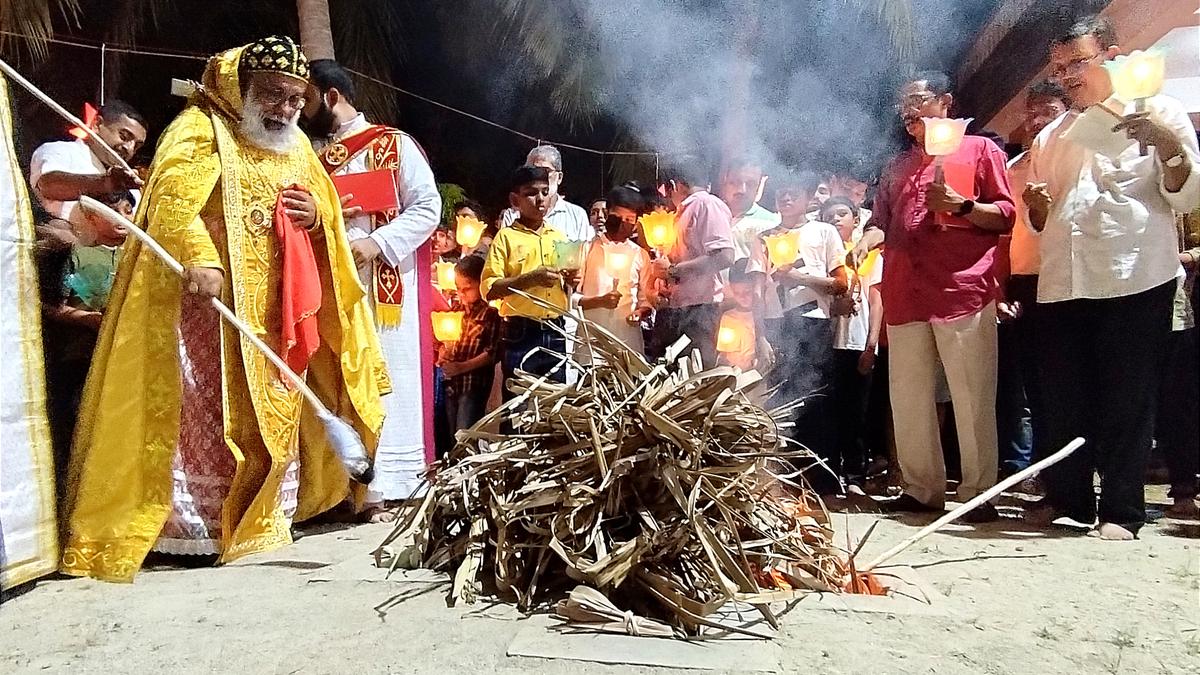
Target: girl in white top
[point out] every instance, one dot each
(611, 292)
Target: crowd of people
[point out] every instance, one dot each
(976, 310)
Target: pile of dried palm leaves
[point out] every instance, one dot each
(650, 483)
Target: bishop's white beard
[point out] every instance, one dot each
(253, 127)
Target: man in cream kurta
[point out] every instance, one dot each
(383, 245)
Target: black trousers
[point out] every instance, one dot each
(1177, 429)
(699, 322)
(1026, 344)
(805, 366)
(1102, 363)
(851, 394)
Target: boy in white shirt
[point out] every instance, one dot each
(858, 322)
(804, 354)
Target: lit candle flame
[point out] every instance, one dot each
(447, 326)
(943, 135)
(468, 231)
(659, 227)
(444, 276)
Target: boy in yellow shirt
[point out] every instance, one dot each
(523, 257)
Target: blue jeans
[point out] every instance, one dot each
(521, 337)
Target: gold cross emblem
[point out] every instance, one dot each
(336, 153)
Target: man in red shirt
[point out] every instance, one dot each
(940, 294)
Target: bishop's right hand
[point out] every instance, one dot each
(203, 281)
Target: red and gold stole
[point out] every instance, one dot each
(383, 147)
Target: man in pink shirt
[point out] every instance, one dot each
(940, 294)
(692, 267)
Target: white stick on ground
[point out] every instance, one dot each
(971, 504)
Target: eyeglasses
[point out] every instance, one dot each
(1074, 67)
(276, 97)
(913, 101)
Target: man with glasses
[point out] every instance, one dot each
(567, 218)
(1107, 279)
(189, 438)
(939, 292)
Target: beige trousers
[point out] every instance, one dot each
(966, 349)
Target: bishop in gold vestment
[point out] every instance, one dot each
(189, 441)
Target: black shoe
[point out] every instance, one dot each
(906, 503)
(984, 513)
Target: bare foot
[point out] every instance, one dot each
(1184, 508)
(1111, 532)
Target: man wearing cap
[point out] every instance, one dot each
(189, 441)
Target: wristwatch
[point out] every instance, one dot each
(967, 207)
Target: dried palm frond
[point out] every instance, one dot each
(648, 482)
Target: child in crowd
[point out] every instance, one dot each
(807, 287)
(467, 364)
(612, 289)
(857, 323)
(75, 295)
(740, 340)
(445, 247)
(523, 258)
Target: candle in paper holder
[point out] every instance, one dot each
(468, 230)
(1138, 75)
(944, 135)
(784, 248)
(617, 263)
(444, 276)
(568, 255)
(733, 335)
(659, 228)
(447, 326)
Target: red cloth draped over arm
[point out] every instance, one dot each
(300, 291)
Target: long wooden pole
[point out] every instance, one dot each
(103, 148)
(971, 504)
(107, 213)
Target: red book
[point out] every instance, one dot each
(373, 191)
(961, 177)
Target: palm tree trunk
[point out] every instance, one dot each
(316, 35)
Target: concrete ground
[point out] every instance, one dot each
(1010, 600)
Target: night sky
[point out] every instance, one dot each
(462, 150)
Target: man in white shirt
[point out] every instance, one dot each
(740, 186)
(1019, 413)
(1107, 281)
(60, 172)
(563, 216)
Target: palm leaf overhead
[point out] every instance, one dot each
(34, 19)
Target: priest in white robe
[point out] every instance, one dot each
(394, 259)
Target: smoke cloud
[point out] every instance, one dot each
(785, 83)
